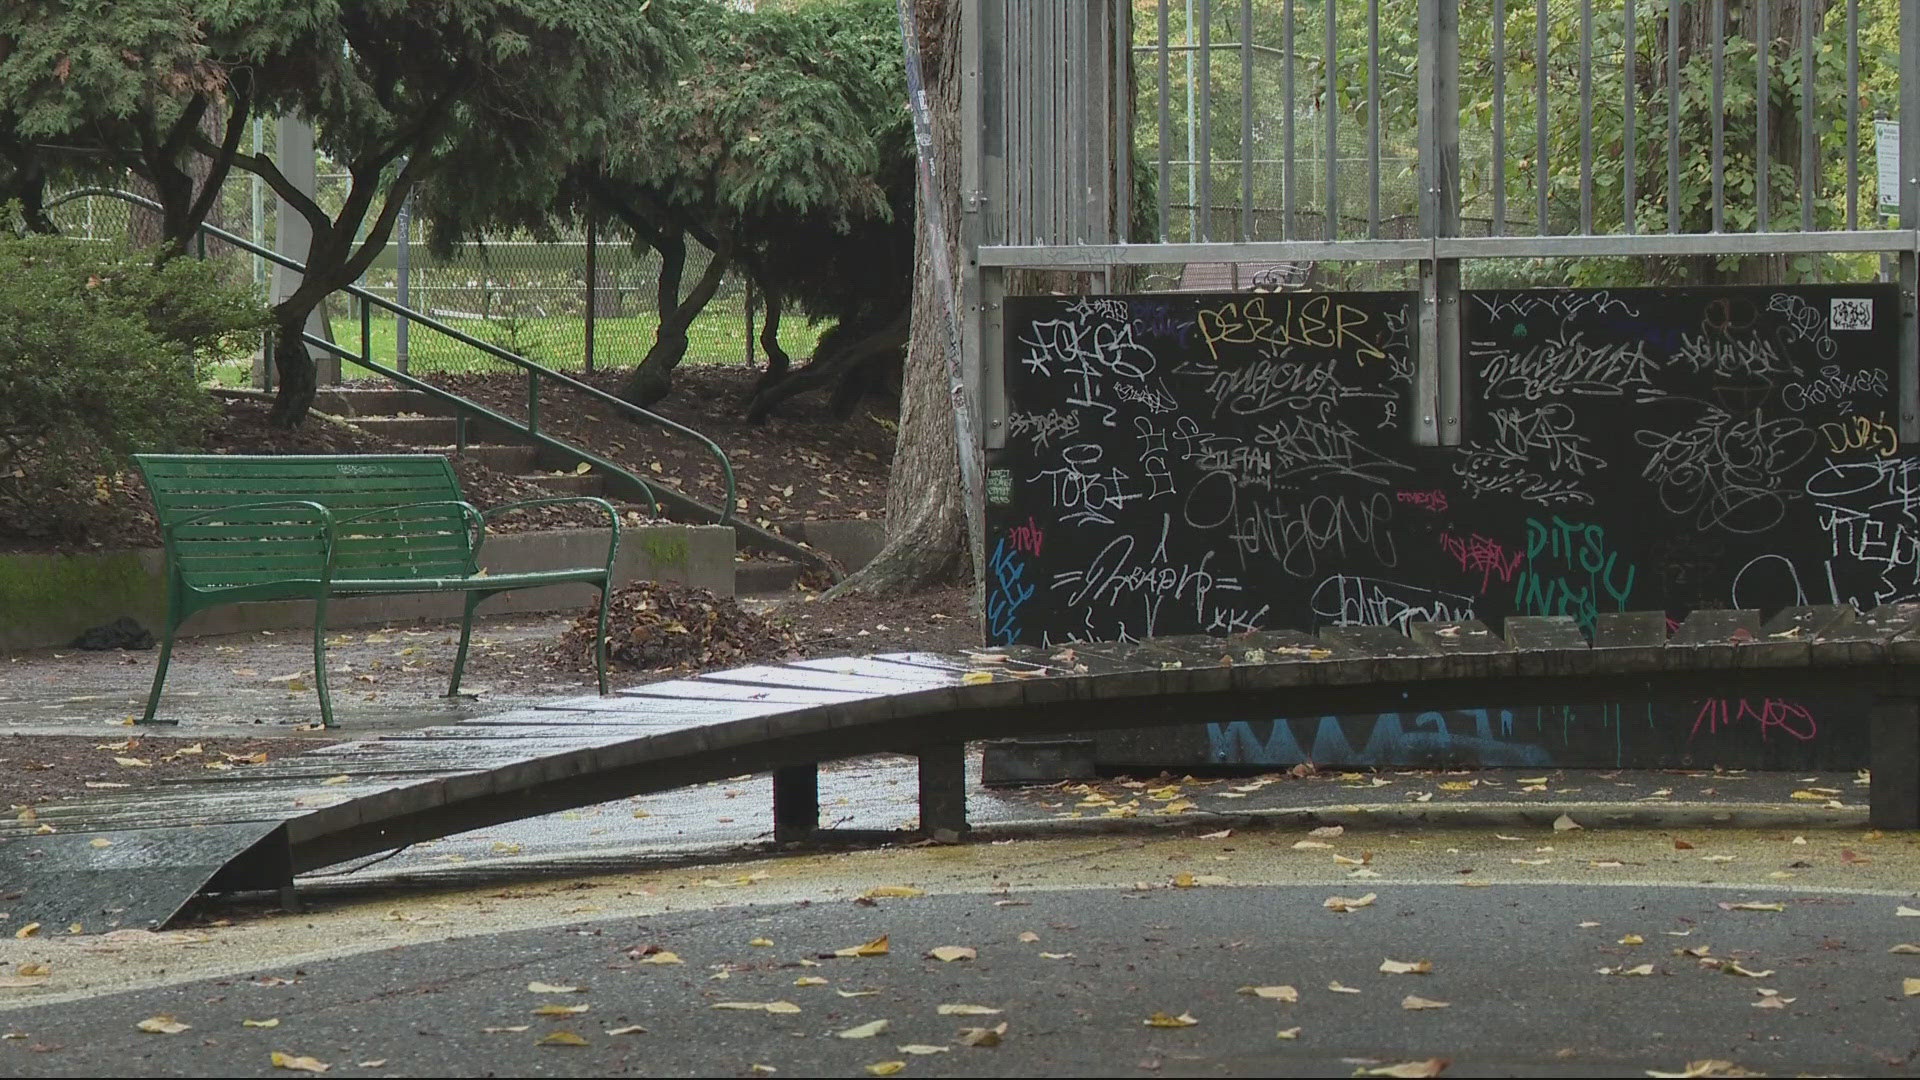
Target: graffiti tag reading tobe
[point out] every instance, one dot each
(1317, 321)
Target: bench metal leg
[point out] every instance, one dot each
(466, 636)
(796, 802)
(1894, 745)
(320, 660)
(600, 638)
(160, 673)
(943, 789)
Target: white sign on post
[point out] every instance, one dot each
(1886, 152)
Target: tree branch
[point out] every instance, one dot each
(263, 167)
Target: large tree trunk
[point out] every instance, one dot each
(926, 510)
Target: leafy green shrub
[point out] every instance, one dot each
(99, 350)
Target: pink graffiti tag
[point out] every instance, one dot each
(1772, 714)
(1027, 538)
(1484, 555)
(1435, 500)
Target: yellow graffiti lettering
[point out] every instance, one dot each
(1861, 433)
(1316, 322)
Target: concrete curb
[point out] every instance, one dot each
(47, 600)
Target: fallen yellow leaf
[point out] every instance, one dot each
(864, 1031)
(1732, 968)
(761, 942)
(27, 931)
(1641, 969)
(809, 980)
(1287, 1033)
(888, 1068)
(1751, 905)
(1343, 903)
(1415, 1002)
(1029, 936)
(1401, 967)
(1338, 988)
(950, 953)
(1704, 1067)
(1905, 950)
(273, 1022)
(560, 1038)
(549, 988)
(1162, 1020)
(923, 1048)
(662, 957)
(876, 947)
(1910, 987)
(967, 1010)
(1633, 939)
(983, 1036)
(1272, 993)
(971, 678)
(560, 1010)
(298, 1063)
(133, 762)
(162, 1025)
(630, 1029)
(1408, 1070)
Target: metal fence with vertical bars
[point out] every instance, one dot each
(1432, 144)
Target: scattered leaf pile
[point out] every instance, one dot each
(659, 626)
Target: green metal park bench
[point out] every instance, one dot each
(239, 528)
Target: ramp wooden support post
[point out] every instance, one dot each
(1894, 745)
(796, 802)
(943, 790)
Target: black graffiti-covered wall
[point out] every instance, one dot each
(1215, 463)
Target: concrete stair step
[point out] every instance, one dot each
(384, 401)
(852, 541)
(757, 578)
(509, 459)
(568, 483)
(411, 430)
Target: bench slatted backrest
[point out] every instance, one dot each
(252, 546)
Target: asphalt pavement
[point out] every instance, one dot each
(1534, 980)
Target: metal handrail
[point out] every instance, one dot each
(534, 370)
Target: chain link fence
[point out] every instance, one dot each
(527, 296)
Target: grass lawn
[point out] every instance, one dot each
(557, 341)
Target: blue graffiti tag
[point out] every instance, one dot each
(1006, 593)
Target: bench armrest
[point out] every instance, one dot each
(613, 518)
(472, 516)
(321, 512)
(323, 518)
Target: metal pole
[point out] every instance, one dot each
(1909, 216)
(1586, 118)
(1673, 116)
(1193, 197)
(1166, 170)
(1206, 120)
(1853, 114)
(402, 270)
(1373, 119)
(1630, 92)
(1762, 97)
(1499, 117)
(1809, 134)
(1246, 120)
(1333, 129)
(593, 290)
(1540, 109)
(1437, 374)
(1286, 122)
(1719, 170)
